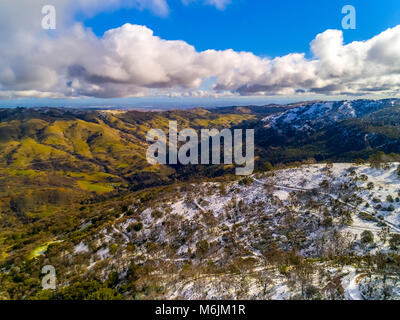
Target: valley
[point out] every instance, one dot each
(319, 218)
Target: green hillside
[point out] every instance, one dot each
(54, 161)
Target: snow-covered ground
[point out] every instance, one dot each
(310, 117)
(318, 210)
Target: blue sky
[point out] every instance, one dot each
(137, 65)
(264, 27)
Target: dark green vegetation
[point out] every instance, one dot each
(65, 174)
(376, 128)
(54, 162)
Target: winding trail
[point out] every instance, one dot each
(391, 225)
(352, 291)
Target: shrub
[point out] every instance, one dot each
(313, 293)
(367, 237)
(157, 214)
(367, 217)
(246, 181)
(87, 290)
(394, 241)
(138, 226)
(267, 166)
(113, 248)
(202, 248)
(135, 226)
(324, 184)
(389, 198)
(360, 162)
(222, 190)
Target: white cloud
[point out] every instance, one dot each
(219, 4)
(132, 61)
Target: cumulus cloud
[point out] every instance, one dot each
(133, 61)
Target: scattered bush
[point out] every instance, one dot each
(394, 241)
(246, 181)
(389, 198)
(157, 214)
(267, 166)
(367, 237)
(135, 226)
(367, 217)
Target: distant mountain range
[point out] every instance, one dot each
(51, 157)
(338, 131)
(70, 177)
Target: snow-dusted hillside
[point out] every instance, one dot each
(276, 235)
(311, 117)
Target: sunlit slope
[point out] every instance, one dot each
(51, 157)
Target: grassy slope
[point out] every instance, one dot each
(53, 163)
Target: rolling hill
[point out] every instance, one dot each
(76, 192)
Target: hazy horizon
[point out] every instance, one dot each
(158, 105)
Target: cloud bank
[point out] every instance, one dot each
(132, 61)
